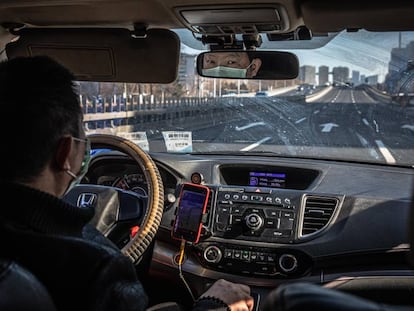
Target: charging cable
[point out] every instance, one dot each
(180, 263)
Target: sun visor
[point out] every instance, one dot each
(106, 55)
(332, 16)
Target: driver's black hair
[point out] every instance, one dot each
(39, 105)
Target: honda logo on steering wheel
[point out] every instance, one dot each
(87, 200)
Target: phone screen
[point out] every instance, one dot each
(191, 207)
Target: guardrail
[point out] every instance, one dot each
(117, 111)
(377, 94)
(104, 110)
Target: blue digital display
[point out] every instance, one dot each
(267, 179)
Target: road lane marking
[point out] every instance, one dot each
(241, 128)
(365, 143)
(407, 126)
(385, 152)
(327, 127)
(376, 126)
(256, 144)
(300, 120)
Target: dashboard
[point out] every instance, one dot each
(117, 170)
(272, 220)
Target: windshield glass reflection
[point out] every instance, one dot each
(353, 100)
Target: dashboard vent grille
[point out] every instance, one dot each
(318, 212)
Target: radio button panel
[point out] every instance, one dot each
(256, 214)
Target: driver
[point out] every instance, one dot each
(230, 64)
(81, 268)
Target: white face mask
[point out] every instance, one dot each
(222, 71)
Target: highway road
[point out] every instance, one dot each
(337, 123)
(344, 123)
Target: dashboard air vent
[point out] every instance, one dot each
(318, 212)
(209, 206)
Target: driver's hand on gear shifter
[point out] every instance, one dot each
(236, 296)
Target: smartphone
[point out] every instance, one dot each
(192, 204)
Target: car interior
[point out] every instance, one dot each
(268, 218)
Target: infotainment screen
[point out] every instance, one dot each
(267, 179)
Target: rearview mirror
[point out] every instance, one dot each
(267, 65)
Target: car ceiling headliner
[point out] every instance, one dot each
(319, 15)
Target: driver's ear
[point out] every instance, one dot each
(62, 154)
(256, 63)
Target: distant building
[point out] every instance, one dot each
(307, 74)
(323, 75)
(186, 72)
(340, 75)
(400, 57)
(400, 63)
(355, 79)
(362, 79)
(371, 80)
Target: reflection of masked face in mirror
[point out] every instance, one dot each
(230, 64)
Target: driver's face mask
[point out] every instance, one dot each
(84, 166)
(223, 71)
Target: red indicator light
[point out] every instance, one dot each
(134, 231)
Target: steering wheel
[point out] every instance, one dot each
(116, 207)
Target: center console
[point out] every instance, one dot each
(256, 217)
(251, 230)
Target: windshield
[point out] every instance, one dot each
(353, 100)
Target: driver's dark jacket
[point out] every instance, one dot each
(80, 268)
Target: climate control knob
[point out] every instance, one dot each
(288, 263)
(212, 254)
(254, 221)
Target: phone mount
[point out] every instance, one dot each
(232, 42)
